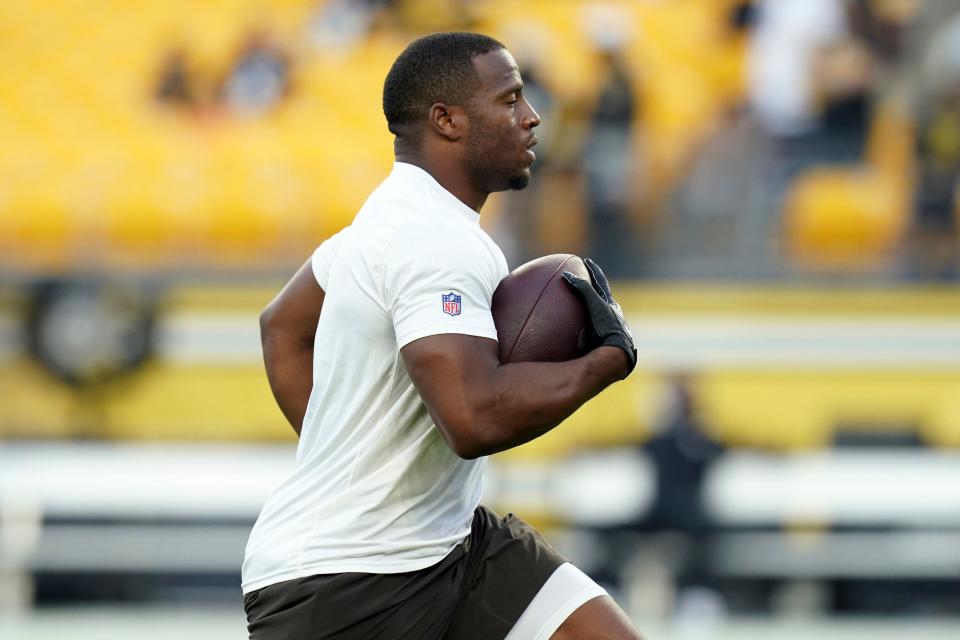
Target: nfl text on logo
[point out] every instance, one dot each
(451, 303)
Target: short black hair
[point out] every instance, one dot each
(435, 68)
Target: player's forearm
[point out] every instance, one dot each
(525, 400)
(289, 366)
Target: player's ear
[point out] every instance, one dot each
(448, 121)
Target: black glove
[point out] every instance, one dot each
(605, 315)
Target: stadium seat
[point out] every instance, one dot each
(839, 217)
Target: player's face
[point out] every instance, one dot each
(501, 126)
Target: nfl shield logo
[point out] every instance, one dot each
(451, 303)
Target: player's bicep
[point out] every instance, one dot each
(450, 372)
(295, 311)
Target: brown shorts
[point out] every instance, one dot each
(478, 591)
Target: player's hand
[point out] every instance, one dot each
(606, 317)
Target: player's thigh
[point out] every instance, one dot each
(509, 562)
(522, 589)
(597, 619)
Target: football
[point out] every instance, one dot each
(538, 317)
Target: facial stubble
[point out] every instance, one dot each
(484, 148)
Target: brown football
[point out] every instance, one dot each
(538, 317)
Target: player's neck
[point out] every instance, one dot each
(449, 175)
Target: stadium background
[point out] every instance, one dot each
(772, 184)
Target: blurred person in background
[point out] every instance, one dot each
(810, 79)
(176, 83)
(682, 452)
(382, 353)
(610, 160)
(935, 251)
(259, 78)
(339, 25)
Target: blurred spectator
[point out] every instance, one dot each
(882, 24)
(609, 160)
(259, 79)
(743, 15)
(682, 453)
(938, 155)
(810, 79)
(176, 85)
(939, 167)
(338, 25)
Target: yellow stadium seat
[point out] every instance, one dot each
(844, 217)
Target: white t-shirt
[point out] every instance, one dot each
(376, 489)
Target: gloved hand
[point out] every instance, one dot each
(605, 315)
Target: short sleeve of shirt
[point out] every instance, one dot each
(438, 283)
(323, 257)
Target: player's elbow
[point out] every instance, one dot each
(267, 321)
(471, 451)
(457, 430)
(280, 330)
(466, 451)
(462, 443)
(470, 438)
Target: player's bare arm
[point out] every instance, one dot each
(287, 329)
(483, 407)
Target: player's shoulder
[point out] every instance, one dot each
(430, 232)
(416, 224)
